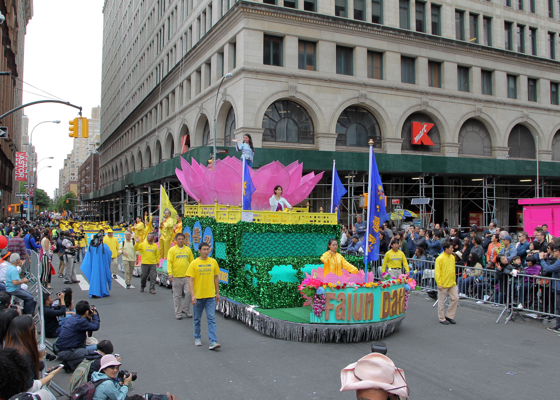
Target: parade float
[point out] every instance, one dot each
(271, 276)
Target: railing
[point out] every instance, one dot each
(233, 214)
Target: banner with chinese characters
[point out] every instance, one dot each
(21, 166)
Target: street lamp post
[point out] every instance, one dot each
(226, 76)
(29, 158)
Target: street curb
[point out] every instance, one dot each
(488, 308)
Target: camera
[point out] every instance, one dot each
(78, 236)
(123, 373)
(58, 294)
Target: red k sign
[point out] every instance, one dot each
(21, 166)
(420, 133)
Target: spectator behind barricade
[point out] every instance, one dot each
(52, 314)
(524, 287)
(16, 244)
(522, 246)
(343, 237)
(14, 282)
(421, 241)
(466, 248)
(403, 245)
(470, 274)
(477, 247)
(71, 343)
(434, 244)
(418, 264)
(6, 317)
(360, 226)
(503, 272)
(454, 239)
(508, 248)
(30, 242)
(547, 236)
(493, 248)
(554, 268)
(410, 236)
(110, 388)
(4, 264)
(22, 337)
(382, 242)
(355, 244)
(484, 285)
(388, 231)
(5, 300)
(539, 237)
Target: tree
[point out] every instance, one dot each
(43, 200)
(62, 203)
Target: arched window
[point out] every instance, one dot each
(556, 147)
(229, 128)
(206, 134)
(521, 143)
(474, 139)
(356, 126)
(287, 121)
(159, 153)
(433, 134)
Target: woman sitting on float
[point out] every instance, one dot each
(277, 202)
(334, 262)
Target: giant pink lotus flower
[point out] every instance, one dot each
(223, 182)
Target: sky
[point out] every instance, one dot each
(62, 56)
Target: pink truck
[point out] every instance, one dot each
(541, 211)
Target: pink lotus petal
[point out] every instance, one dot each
(295, 178)
(332, 278)
(265, 179)
(302, 192)
(292, 167)
(355, 278)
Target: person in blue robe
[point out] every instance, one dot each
(96, 267)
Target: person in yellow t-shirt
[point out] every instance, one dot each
(333, 262)
(150, 261)
(179, 258)
(165, 233)
(113, 244)
(395, 260)
(205, 291)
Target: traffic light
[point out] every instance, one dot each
(73, 128)
(14, 208)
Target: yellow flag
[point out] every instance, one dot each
(165, 204)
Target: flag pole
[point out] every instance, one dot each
(366, 258)
(160, 214)
(332, 185)
(242, 182)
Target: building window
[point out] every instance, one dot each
(306, 55)
(408, 70)
(508, 38)
(486, 80)
(340, 8)
(463, 79)
(487, 28)
(531, 89)
(420, 16)
(273, 2)
(434, 74)
(309, 5)
(404, 14)
(520, 38)
(532, 6)
(229, 128)
(533, 41)
(551, 51)
(290, 3)
(520, 5)
(287, 121)
(512, 86)
(359, 10)
(507, 3)
(436, 23)
(375, 65)
(550, 8)
(377, 11)
(356, 126)
(554, 93)
(473, 28)
(344, 60)
(272, 54)
(459, 25)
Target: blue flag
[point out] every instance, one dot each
(376, 213)
(248, 187)
(338, 190)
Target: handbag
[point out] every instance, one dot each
(53, 272)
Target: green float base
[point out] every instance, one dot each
(293, 324)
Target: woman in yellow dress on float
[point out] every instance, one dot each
(166, 233)
(334, 262)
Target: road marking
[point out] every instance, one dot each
(122, 282)
(84, 285)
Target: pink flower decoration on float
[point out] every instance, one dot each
(345, 278)
(223, 182)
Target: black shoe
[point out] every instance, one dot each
(450, 320)
(128, 286)
(114, 276)
(444, 322)
(141, 289)
(50, 357)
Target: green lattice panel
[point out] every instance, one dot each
(220, 248)
(283, 244)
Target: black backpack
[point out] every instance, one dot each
(87, 390)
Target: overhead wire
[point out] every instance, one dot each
(21, 90)
(34, 87)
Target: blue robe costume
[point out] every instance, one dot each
(96, 267)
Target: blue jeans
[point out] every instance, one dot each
(465, 284)
(28, 302)
(2, 287)
(208, 304)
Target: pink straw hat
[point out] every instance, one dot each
(108, 361)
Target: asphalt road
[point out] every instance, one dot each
(475, 359)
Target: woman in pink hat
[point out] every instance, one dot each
(107, 387)
(375, 377)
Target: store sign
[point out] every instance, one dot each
(21, 166)
(420, 133)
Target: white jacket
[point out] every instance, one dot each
(274, 203)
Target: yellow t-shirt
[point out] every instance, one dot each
(178, 261)
(149, 252)
(113, 244)
(203, 273)
(394, 260)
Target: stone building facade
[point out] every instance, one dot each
(315, 80)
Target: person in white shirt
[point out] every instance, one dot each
(277, 202)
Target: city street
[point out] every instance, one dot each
(476, 359)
